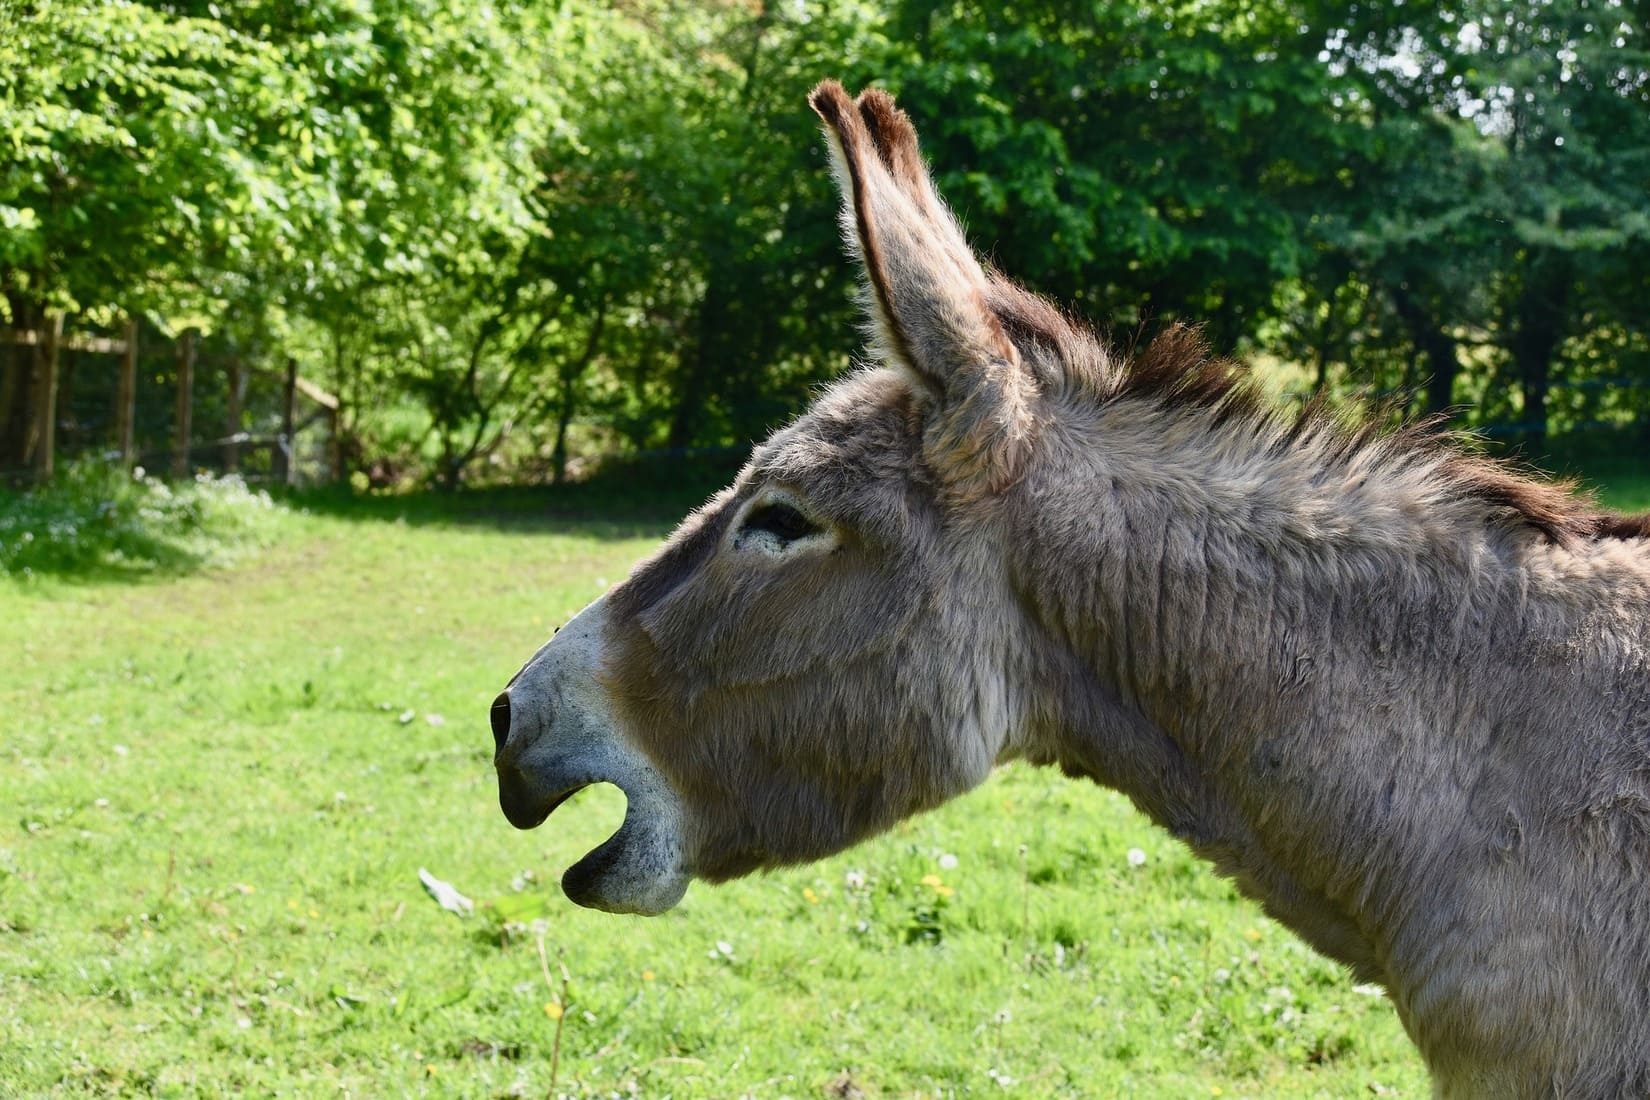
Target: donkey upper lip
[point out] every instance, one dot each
(524, 803)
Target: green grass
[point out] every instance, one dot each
(1628, 491)
(221, 787)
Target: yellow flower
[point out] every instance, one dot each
(292, 903)
(943, 891)
(647, 975)
(931, 880)
(808, 892)
(1251, 934)
(1216, 1090)
(553, 1010)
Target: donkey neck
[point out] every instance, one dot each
(1254, 637)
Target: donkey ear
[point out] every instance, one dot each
(928, 292)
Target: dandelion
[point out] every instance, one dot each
(1216, 1090)
(808, 892)
(648, 975)
(948, 862)
(1251, 934)
(553, 1010)
(1137, 858)
(931, 880)
(854, 880)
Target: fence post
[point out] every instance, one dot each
(185, 406)
(126, 394)
(46, 363)
(237, 391)
(281, 460)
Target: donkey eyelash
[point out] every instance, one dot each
(780, 520)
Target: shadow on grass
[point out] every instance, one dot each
(1615, 466)
(625, 500)
(99, 524)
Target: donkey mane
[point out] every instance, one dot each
(1177, 370)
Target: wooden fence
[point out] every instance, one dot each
(39, 448)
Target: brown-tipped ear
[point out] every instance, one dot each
(928, 299)
(896, 142)
(928, 290)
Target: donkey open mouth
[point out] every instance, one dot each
(554, 738)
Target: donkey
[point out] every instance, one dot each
(1398, 693)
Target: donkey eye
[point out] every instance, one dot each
(782, 521)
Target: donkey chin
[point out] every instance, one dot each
(555, 735)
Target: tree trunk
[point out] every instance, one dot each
(281, 463)
(183, 422)
(1440, 348)
(236, 377)
(1538, 331)
(45, 434)
(18, 416)
(687, 421)
(570, 374)
(126, 395)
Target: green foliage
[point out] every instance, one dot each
(1145, 161)
(127, 176)
(513, 235)
(97, 520)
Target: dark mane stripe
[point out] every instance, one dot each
(1177, 370)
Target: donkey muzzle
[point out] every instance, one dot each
(554, 733)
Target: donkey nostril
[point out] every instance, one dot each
(501, 720)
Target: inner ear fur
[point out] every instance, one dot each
(928, 292)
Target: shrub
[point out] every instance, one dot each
(100, 518)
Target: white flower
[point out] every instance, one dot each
(948, 862)
(854, 880)
(1137, 858)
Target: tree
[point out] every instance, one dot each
(124, 186)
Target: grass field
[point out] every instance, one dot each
(221, 787)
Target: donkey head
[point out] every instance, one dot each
(830, 644)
